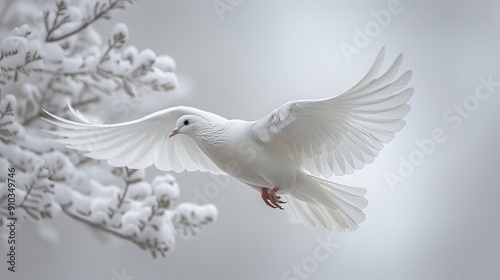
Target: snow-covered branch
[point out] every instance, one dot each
(61, 58)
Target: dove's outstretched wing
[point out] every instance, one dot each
(140, 143)
(340, 134)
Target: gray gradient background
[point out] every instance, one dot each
(441, 223)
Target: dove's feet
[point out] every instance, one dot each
(271, 198)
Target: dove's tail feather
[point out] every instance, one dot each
(326, 205)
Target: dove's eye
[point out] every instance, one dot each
(186, 122)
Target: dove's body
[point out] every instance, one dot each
(288, 151)
(237, 154)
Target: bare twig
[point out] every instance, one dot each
(98, 14)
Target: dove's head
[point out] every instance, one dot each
(187, 124)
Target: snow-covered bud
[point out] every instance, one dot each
(120, 35)
(139, 191)
(165, 189)
(146, 57)
(165, 63)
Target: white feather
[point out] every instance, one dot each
(139, 143)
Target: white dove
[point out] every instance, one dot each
(288, 152)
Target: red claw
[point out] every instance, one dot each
(271, 198)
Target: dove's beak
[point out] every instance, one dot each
(174, 132)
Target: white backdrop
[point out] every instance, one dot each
(437, 221)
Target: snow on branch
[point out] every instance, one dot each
(60, 58)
